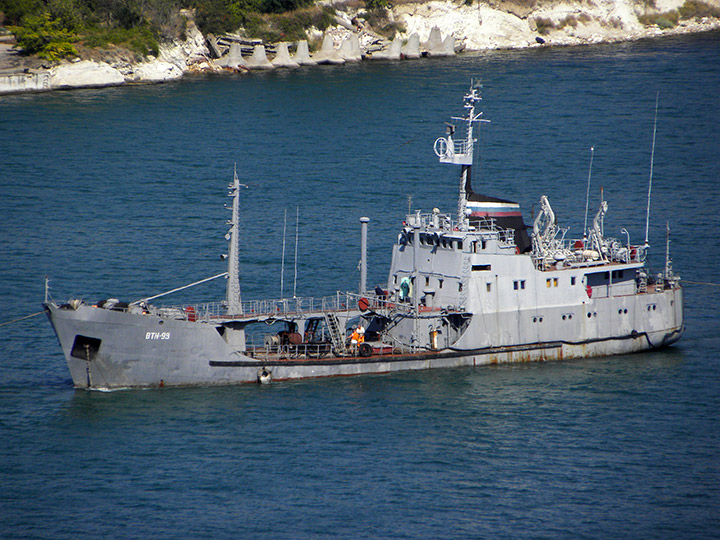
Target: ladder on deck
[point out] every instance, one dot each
(336, 335)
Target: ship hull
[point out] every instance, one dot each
(112, 350)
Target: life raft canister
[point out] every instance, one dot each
(191, 314)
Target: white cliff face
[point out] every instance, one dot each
(474, 27)
(499, 24)
(186, 54)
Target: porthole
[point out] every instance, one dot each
(589, 315)
(570, 316)
(540, 319)
(625, 310)
(161, 322)
(654, 307)
(564, 317)
(619, 311)
(534, 319)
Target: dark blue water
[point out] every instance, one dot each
(119, 192)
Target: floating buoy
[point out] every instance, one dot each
(264, 376)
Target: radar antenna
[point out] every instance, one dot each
(460, 152)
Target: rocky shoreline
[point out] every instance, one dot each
(435, 28)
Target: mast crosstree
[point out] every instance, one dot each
(460, 152)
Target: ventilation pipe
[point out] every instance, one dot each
(363, 253)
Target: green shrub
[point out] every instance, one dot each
(218, 16)
(15, 10)
(662, 20)
(141, 40)
(377, 4)
(324, 18)
(290, 26)
(664, 23)
(544, 25)
(692, 9)
(570, 20)
(45, 37)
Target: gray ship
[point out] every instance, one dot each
(464, 290)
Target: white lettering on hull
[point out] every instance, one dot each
(157, 335)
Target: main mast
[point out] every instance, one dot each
(461, 152)
(234, 303)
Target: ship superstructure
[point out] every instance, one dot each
(469, 289)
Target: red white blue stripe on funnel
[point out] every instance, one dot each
(493, 209)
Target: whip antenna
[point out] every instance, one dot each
(297, 222)
(282, 263)
(652, 160)
(587, 195)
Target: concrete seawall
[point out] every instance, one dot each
(25, 82)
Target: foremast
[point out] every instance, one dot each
(460, 152)
(233, 300)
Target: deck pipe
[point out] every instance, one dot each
(363, 253)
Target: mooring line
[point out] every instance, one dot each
(23, 318)
(701, 283)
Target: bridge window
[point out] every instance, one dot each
(481, 268)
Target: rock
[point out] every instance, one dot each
(449, 45)
(155, 72)
(391, 53)
(235, 58)
(350, 49)
(412, 47)
(87, 73)
(327, 53)
(186, 53)
(434, 44)
(302, 54)
(213, 46)
(282, 58)
(339, 19)
(259, 59)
